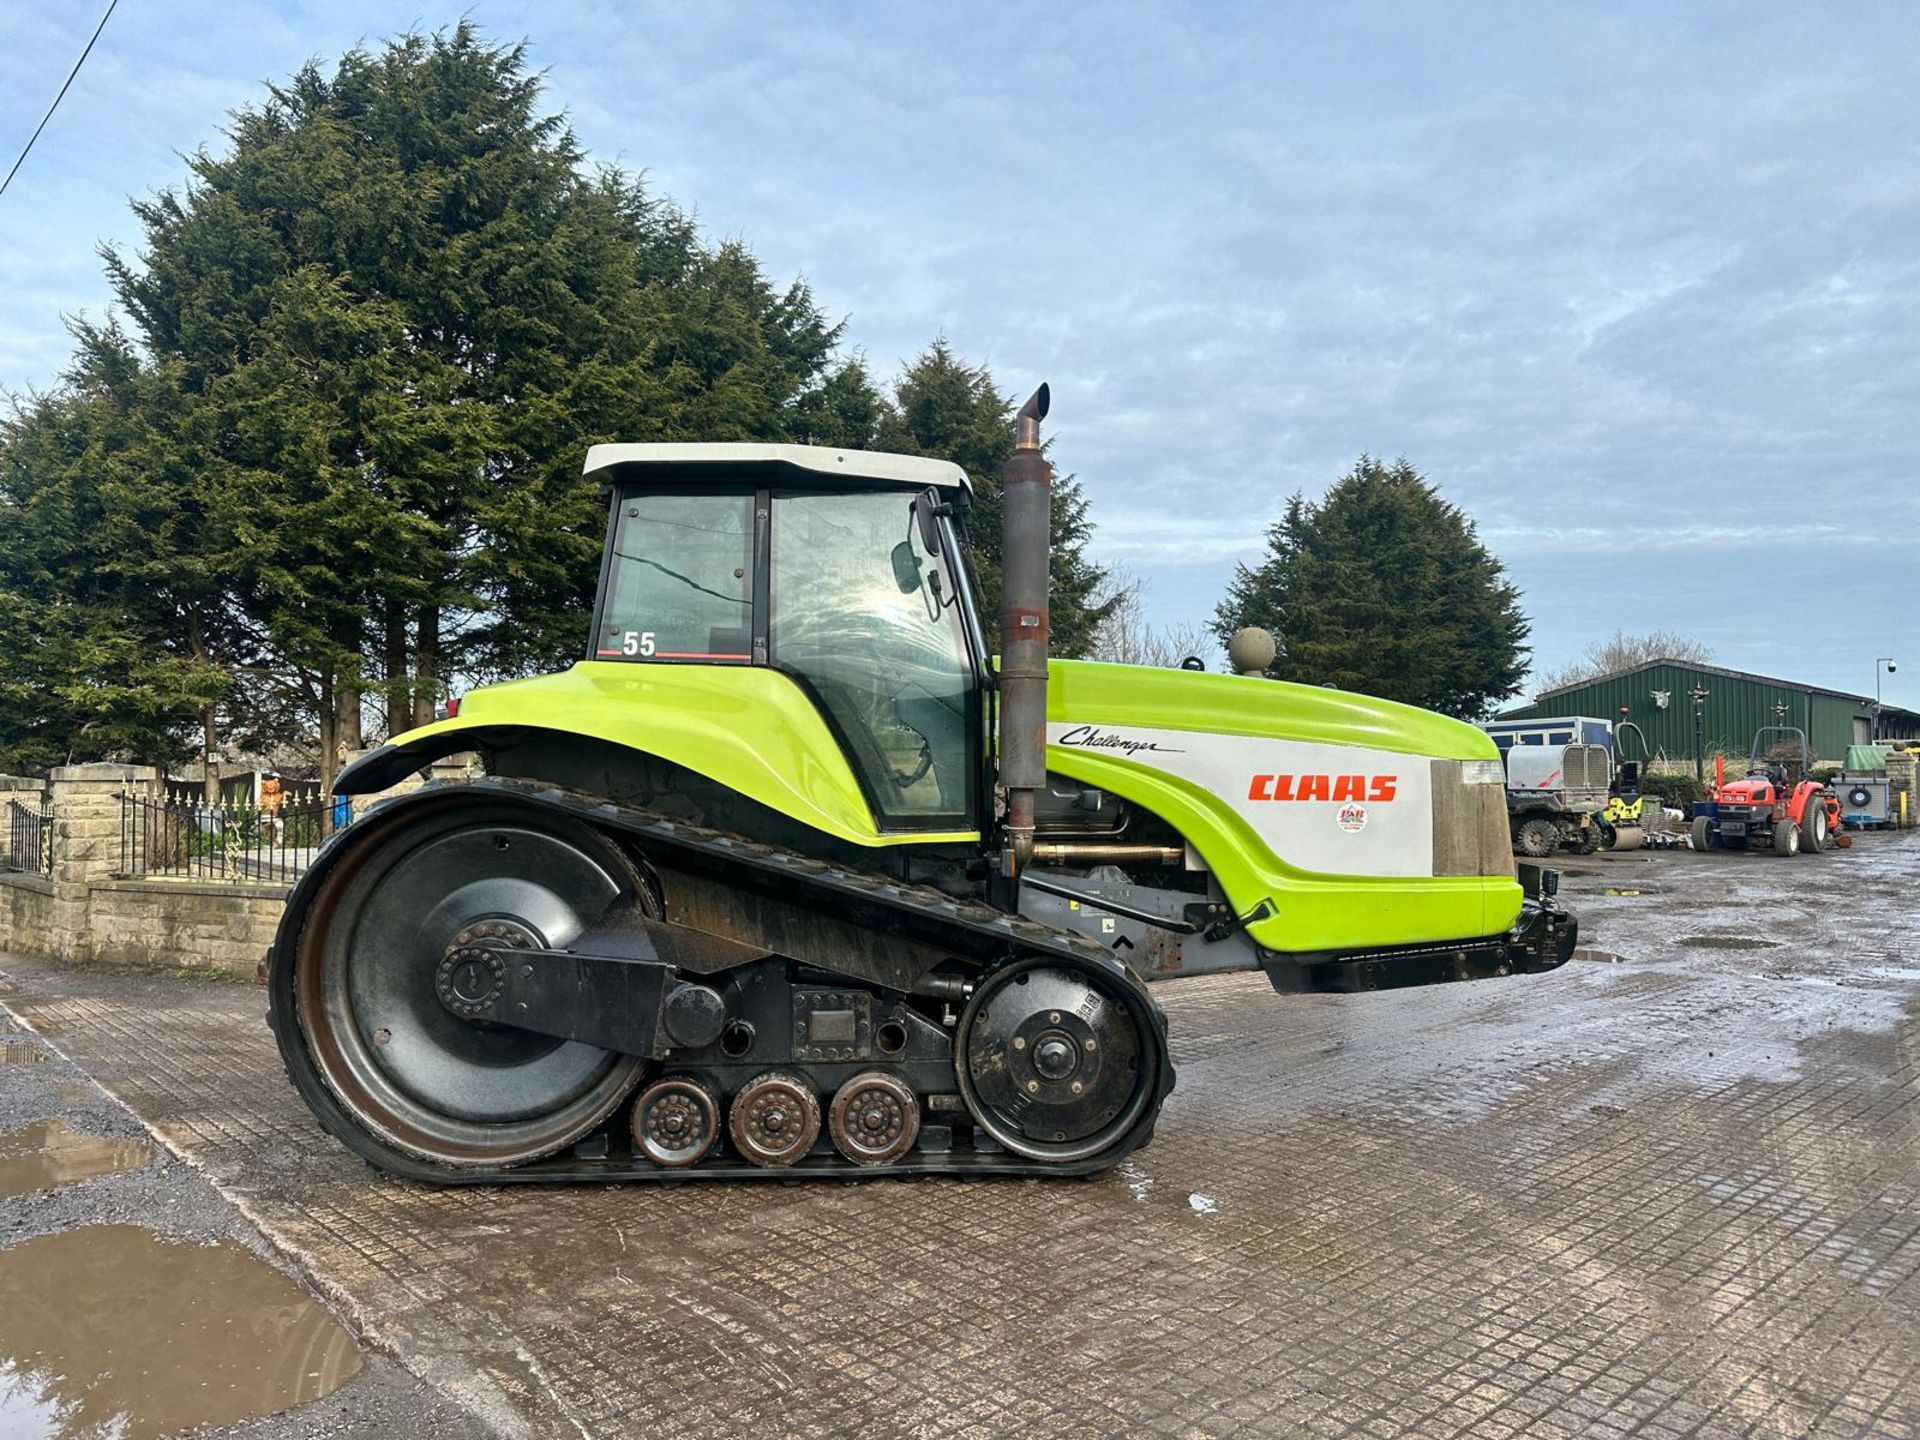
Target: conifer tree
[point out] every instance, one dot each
(948, 409)
(1384, 588)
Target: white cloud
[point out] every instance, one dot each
(1636, 287)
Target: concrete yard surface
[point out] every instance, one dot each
(1669, 1189)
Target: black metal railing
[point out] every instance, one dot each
(29, 839)
(243, 844)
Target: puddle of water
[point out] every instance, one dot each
(1893, 972)
(1604, 957)
(152, 1338)
(18, 1053)
(1138, 1181)
(1727, 942)
(51, 1152)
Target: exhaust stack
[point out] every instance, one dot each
(1026, 526)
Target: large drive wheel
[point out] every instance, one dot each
(1702, 832)
(1589, 840)
(1537, 838)
(1060, 1060)
(1813, 825)
(371, 985)
(1786, 837)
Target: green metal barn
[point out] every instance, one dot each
(1658, 697)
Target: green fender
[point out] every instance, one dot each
(756, 731)
(749, 727)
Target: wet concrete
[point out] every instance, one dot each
(47, 1153)
(151, 1338)
(136, 1300)
(1674, 1192)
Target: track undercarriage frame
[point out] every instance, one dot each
(506, 927)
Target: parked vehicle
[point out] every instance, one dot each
(1632, 817)
(1553, 794)
(1776, 804)
(760, 887)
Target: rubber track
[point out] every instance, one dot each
(996, 937)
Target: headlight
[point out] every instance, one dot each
(1482, 772)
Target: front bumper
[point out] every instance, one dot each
(1543, 938)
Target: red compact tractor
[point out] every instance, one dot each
(1778, 803)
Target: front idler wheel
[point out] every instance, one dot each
(1059, 1060)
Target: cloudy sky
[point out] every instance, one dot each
(1638, 286)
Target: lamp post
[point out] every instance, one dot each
(1699, 697)
(1879, 660)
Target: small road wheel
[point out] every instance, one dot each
(775, 1119)
(1813, 825)
(874, 1118)
(1702, 832)
(1786, 838)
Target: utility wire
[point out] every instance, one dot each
(58, 98)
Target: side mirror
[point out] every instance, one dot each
(926, 512)
(906, 568)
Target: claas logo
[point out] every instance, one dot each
(1372, 788)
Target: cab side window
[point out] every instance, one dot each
(680, 586)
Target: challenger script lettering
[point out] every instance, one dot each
(1092, 737)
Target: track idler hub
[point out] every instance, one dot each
(471, 972)
(874, 1119)
(676, 1121)
(776, 1119)
(1058, 1060)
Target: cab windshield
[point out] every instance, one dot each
(870, 622)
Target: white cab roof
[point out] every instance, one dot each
(808, 462)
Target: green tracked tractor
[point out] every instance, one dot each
(793, 876)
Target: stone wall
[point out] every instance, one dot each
(183, 926)
(26, 914)
(1901, 778)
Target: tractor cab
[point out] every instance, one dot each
(840, 569)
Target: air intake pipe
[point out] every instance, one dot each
(1026, 532)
